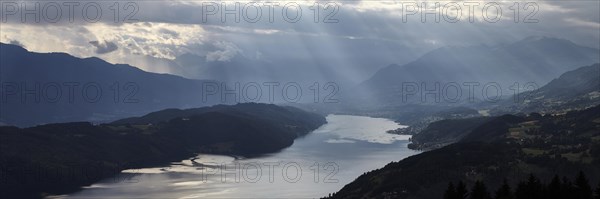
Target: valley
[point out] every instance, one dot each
(353, 99)
(60, 158)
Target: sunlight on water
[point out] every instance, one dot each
(348, 127)
(315, 165)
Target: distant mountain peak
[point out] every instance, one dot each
(544, 39)
(135, 91)
(535, 38)
(12, 46)
(537, 59)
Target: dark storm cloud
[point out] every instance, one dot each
(565, 19)
(171, 33)
(15, 42)
(104, 47)
(365, 38)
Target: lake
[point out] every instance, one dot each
(317, 164)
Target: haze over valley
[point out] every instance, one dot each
(286, 99)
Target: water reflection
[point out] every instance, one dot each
(314, 166)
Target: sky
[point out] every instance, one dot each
(344, 40)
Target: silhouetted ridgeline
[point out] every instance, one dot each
(533, 59)
(575, 89)
(43, 88)
(444, 132)
(60, 158)
(506, 146)
(531, 188)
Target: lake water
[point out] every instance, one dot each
(314, 166)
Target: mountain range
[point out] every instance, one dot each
(576, 89)
(573, 90)
(463, 72)
(61, 158)
(40, 88)
(562, 140)
(507, 147)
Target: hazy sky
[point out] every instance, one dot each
(352, 37)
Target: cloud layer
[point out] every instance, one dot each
(347, 41)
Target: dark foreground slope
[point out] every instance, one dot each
(444, 132)
(506, 146)
(60, 158)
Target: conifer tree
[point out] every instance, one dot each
(479, 191)
(566, 190)
(532, 189)
(535, 187)
(504, 191)
(450, 192)
(554, 189)
(583, 190)
(598, 191)
(521, 191)
(461, 190)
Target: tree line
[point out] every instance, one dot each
(532, 188)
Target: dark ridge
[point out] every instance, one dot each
(60, 158)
